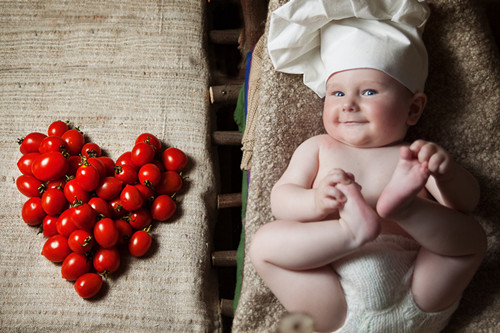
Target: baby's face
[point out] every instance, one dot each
(366, 108)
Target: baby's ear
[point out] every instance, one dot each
(417, 106)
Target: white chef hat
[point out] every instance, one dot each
(318, 38)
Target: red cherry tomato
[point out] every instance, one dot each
(53, 201)
(126, 174)
(140, 243)
(25, 162)
(32, 211)
(109, 165)
(149, 175)
(56, 248)
(163, 208)
(91, 149)
(49, 225)
(87, 177)
(83, 216)
(31, 142)
(141, 218)
(142, 153)
(99, 165)
(52, 143)
(105, 233)
(118, 210)
(170, 183)
(57, 128)
(125, 231)
(49, 166)
(149, 139)
(109, 188)
(80, 241)
(73, 164)
(65, 225)
(74, 266)
(126, 159)
(174, 159)
(107, 260)
(131, 198)
(146, 192)
(58, 183)
(101, 207)
(88, 285)
(29, 186)
(74, 192)
(75, 141)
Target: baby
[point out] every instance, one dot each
(372, 234)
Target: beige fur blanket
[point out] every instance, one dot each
(463, 114)
(116, 69)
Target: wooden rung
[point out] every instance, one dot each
(224, 259)
(227, 138)
(225, 37)
(227, 93)
(226, 307)
(229, 200)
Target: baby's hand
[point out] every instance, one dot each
(435, 156)
(327, 198)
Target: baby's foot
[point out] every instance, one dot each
(361, 220)
(407, 181)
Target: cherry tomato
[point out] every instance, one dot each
(91, 149)
(163, 208)
(126, 159)
(87, 177)
(32, 211)
(99, 165)
(73, 164)
(125, 231)
(74, 266)
(57, 183)
(75, 141)
(140, 243)
(131, 198)
(170, 183)
(174, 159)
(146, 192)
(83, 216)
(80, 241)
(107, 260)
(140, 218)
(53, 201)
(105, 233)
(142, 153)
(101, 207)
(65, 225)
(49, 166)
(149, 175)
(57, 128)
(149, 139)
(56, 248)
(52, 143)
(74, 192)
(31, 142)
(88, 285)
(109, 165)
(126, 173)
(49, 225)
(109, 188)
(30, 186)
(118, 210)
(25, 162)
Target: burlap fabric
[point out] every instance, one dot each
(115, 69)
(462, 115)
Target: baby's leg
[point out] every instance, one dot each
(293, 258)
(453, 244)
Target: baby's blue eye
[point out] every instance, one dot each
(369, 92)
(338, 94)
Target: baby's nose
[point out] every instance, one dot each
(349, 106)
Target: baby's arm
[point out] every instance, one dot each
(449, 183)
(292, 198)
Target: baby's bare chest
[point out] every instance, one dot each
(372, 168)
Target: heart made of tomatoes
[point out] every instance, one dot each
(94, 210)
